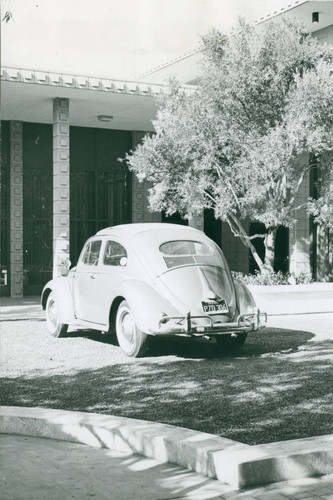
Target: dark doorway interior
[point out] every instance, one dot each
(212, 227)
(174, 219)
(100, 185)
(37, 206)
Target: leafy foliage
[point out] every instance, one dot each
(265, 100)
(272, 278)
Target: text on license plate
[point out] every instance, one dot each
(213, 307)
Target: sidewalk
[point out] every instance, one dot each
(12, 309)
(36, 469)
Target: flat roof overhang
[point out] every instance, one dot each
(27, 95)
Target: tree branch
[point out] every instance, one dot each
(253, 237)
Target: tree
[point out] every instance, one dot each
(234, 144)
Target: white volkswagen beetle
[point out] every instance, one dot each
(141, 280)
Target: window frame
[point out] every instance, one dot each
(87, 248)
(105, 250)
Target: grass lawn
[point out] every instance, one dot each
(278, 387)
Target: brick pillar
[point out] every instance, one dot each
(197, 221)
(140, 211)
(299, 235)
(16, 209)
(60, 186)
(324, 254)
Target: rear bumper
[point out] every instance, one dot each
(188, 325)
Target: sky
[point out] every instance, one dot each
(113, 38)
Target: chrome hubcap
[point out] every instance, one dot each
(127, 327)
(52, 312)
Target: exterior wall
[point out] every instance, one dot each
(140, 210)
(16, 209)
(325, 35)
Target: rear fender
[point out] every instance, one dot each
(147, 304)
(245, 300)
(61, 288)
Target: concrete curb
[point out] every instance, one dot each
(229, 461)
(294, 299)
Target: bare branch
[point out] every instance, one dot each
(254, 236)
(208, 195)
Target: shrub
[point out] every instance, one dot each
(272, 278)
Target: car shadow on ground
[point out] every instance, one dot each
(269, 340)
(94, 335)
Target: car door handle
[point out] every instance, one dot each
(92, 276)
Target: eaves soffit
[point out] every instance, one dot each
(94, 84)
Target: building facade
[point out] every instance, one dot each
(61, 179)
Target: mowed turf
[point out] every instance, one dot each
(277, 387)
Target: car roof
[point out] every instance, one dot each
(149, 236)
(136, 228)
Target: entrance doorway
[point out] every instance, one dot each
(100, 186)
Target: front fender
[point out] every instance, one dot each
(62, 290)
(146, 303)
(245, 300)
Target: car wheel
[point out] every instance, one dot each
(131, 339)
(55, 327)
(228, 343)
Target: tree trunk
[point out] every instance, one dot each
(239, 231)
(269, 243)
(256, 257)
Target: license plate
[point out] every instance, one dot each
(215, 307)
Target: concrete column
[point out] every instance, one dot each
(197, 221)
(16, 209)
(299, 235)
(61, 186)
(140, 211)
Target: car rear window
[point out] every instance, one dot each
(184, 252)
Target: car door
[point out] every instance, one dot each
(85, 282)
(113, 271)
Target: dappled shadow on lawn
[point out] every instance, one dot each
(277, 387)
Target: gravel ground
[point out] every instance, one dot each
(277, 387)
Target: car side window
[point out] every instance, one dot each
(114, 252)
(91, 254)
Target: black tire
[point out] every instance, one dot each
(132, 341)
(230, 344)
(54, 326)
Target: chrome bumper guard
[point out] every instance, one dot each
(248, 322)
